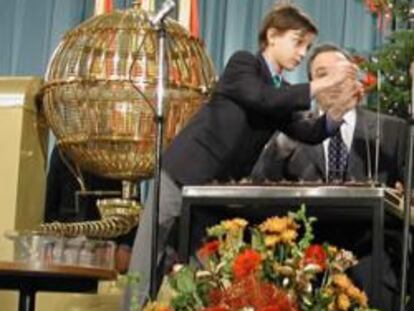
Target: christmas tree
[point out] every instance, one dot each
(391, 62)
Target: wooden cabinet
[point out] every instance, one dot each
(23, 144)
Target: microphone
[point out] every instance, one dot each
(166, 8)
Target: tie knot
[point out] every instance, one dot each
(277, 80)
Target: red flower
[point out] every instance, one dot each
(253, 293)
(217, 308)
(270, 308)
(246, 263)
(372, 6)
(369, 81)
(215, 295)
(208, 249)
(315, 254)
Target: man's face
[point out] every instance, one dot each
(319, 68)
(288, 49)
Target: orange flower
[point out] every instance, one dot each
(315, 254)
(208, 249)
(246, 263)
(218, 308)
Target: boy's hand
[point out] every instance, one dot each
(345, 98)
(334, 77)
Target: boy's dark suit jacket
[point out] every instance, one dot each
(223, 140)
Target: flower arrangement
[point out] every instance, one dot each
(278, 269)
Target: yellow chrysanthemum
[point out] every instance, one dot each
(277, 224)
(271, 240)
(343, 303)
(356, 294)
(288, 236)
(236, 224)
(341, 281)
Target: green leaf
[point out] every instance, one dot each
(184, 281)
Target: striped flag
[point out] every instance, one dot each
(194, 19)
(102, 7)
(188, 16)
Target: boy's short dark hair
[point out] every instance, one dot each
(285, 17)
(322, 48)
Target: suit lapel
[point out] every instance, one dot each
(266, 72)
(264, 68)
(317, 156)
(308, 162)
(358, 156)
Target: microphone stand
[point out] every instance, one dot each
(158, 22)
(377, 130)
(407, 197)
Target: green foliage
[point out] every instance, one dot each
(393, 62)
(185, 283)
(308, 236)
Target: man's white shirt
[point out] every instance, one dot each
(347, 129)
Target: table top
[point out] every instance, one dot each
(258, 191)
(29, 269)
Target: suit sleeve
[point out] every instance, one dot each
(307, 129)
(273, 159)
(243, 82)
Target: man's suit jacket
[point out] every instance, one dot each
(224, 139)
(283, 158)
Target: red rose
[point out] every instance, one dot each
(315, 254)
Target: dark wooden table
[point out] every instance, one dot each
(30, 278)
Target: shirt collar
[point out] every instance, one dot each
(348, 118)
(273, 71)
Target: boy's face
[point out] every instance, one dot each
(287, 49)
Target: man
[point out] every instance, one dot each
(284, 158)
(250, 102)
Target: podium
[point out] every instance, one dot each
(332, 202)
